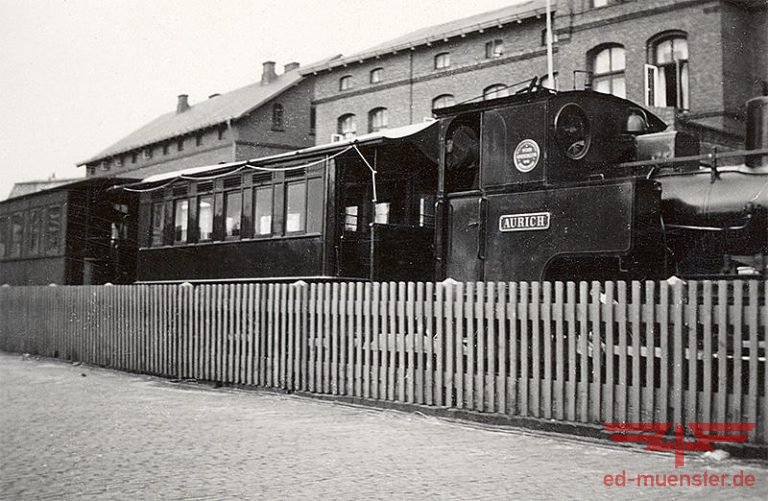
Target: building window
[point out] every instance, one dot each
(377, 119)
(377, 75)
(278, 117)
(494, 48)
(158, 224)
(495, 91)
(544, 82)
(666, 75)
(312, 119)
(262, 207)
(105, 165)
(600, 3)
(180, 221)
(91, 170)
(166, 148)
(199, 140)
(53, 230)
(233, 212)
(147, 153)
(442, 101)
(134, 157)
(180, 145)
(205, 218)
(442, 60)
(222, 132)
(119, 161)
(346, 125)
(607, 65)
(345, 82)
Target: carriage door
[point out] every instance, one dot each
(466, 205)
(353, 243)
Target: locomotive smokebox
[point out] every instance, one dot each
(757, 130)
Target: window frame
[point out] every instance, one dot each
(345, 83)
(494, 49)
(378, 114)
(376, 75)
(442, 60)
(443, 97)
(495, 89)
(613, 74)
(352, 118)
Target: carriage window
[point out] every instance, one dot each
(158, 223)
(315, 205)
(205, 217)
(3, 235)
(295, 206)
(17, 233)
(53, 230)
(427, 211)
(180, 221)
(381, 215)
(262, 204)
(350, 218)
(33, 243)
(461, 157)
(233, 209)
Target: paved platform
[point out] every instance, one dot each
(79, 432)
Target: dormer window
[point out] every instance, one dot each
(345, 82)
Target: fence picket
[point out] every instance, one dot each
(559, 382)
(367, 306)
(546, 383)
(736, 322)
(752, 327)
(419, 344)
(490, 316)
(692, 353)
(610, 345)
(439, 344)
(400, 340)
(524, 376)
(429, 337)
(621, 321)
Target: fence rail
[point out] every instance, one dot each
(572, 352)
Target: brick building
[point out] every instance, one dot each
(695, 62)
(267, 117)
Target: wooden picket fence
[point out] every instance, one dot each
(571, 352)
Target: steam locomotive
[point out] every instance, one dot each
(539, 185)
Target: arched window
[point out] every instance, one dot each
(345, 82)
(442, 101)
(442, 60)
(278, 117)
(377, 119)
(666, 75)
(377, 75)
(607, 65)
(494, 91)
(346, 125)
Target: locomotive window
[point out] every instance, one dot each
(180, 221)
(205, 217)
(572, 131)
(3, 235)
(461, 157)
(233, 210)
(262, 204)
(53, 230)
(158, 223)
(427, 211)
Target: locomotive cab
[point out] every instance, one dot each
(533, 186)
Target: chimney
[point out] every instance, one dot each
(290, 67)
(268, 74)
(183, 104)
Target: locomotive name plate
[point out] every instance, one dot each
(524, 222)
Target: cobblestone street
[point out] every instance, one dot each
(78, 432)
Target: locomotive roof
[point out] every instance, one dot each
(414, 131)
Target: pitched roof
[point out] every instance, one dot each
(423, 36)
(228, 106)
(28, 187)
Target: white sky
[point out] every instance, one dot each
(78, 75)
